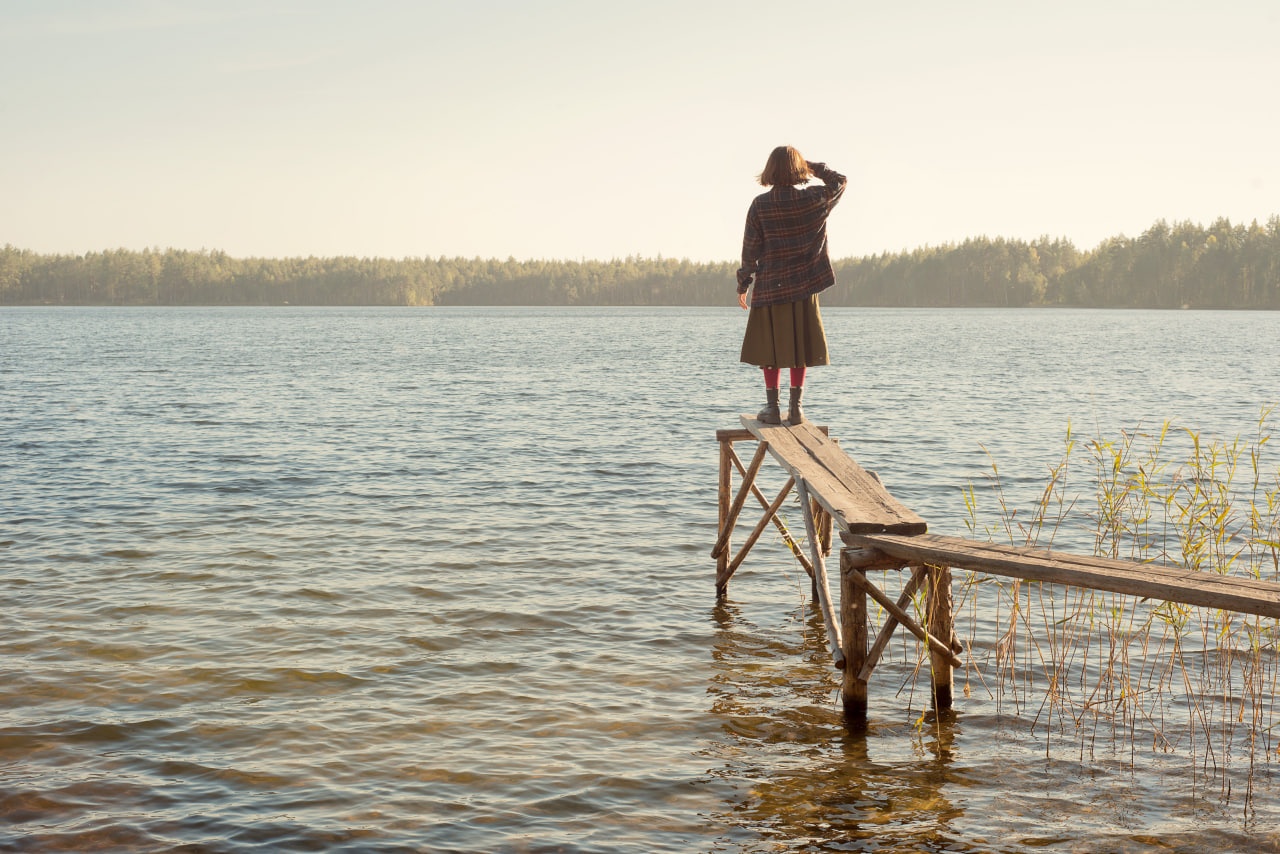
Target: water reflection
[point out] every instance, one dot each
(801, 780)
(797, 780)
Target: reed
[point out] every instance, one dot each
(1115, 673)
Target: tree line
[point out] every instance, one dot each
(1222, 265)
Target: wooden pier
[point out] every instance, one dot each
(878, 533)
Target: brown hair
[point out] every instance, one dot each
(785, 167)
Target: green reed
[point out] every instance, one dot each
(1116, 672)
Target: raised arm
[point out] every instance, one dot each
(834, 180)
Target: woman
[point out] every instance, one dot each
(784, 255)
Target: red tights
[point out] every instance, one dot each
(771, 377)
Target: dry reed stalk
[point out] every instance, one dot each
(1112, 671)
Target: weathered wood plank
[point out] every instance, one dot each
(741, 434)
(732, 435)
(1204, 589)
(882, 511)
(860, 505)
(867, 559)
(789, 453)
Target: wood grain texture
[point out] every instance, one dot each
(855, 498)
(1171, 584)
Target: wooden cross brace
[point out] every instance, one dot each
(840, 488)
(730, 510)
(860, 661)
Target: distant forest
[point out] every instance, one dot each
(1169, 266)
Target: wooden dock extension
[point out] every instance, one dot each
(836, 493)
(879, 533)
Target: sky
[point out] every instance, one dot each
(601, 129)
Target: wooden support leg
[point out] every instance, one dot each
(941, 626)
(731, 518)
(826, 526)
(726, 469)
(822, 523)
(729, 510)
(853, 616)
(822, 588)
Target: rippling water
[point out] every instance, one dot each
(438, 580)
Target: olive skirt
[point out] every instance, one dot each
(788, 335)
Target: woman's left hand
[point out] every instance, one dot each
(742, 300)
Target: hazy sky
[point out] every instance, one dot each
(606, 128)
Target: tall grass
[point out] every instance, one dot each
(1121, 674)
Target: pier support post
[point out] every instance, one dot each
(853, 617)
(825, 525)
(941, 626)
(822, 525)
(724, 492)
(821, 588)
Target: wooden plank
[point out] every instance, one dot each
(881, 512)
(822, 485)
(1171, 584)
(867, 559)
(793, 457)
(861, 505)
(741, 434)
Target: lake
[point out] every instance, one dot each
(394, 579)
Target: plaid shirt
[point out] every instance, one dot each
(784, 248)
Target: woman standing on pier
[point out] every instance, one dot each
(784, 255)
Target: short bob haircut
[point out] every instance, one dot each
(785, 168)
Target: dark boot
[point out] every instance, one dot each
(794, 413)
(771, 414)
